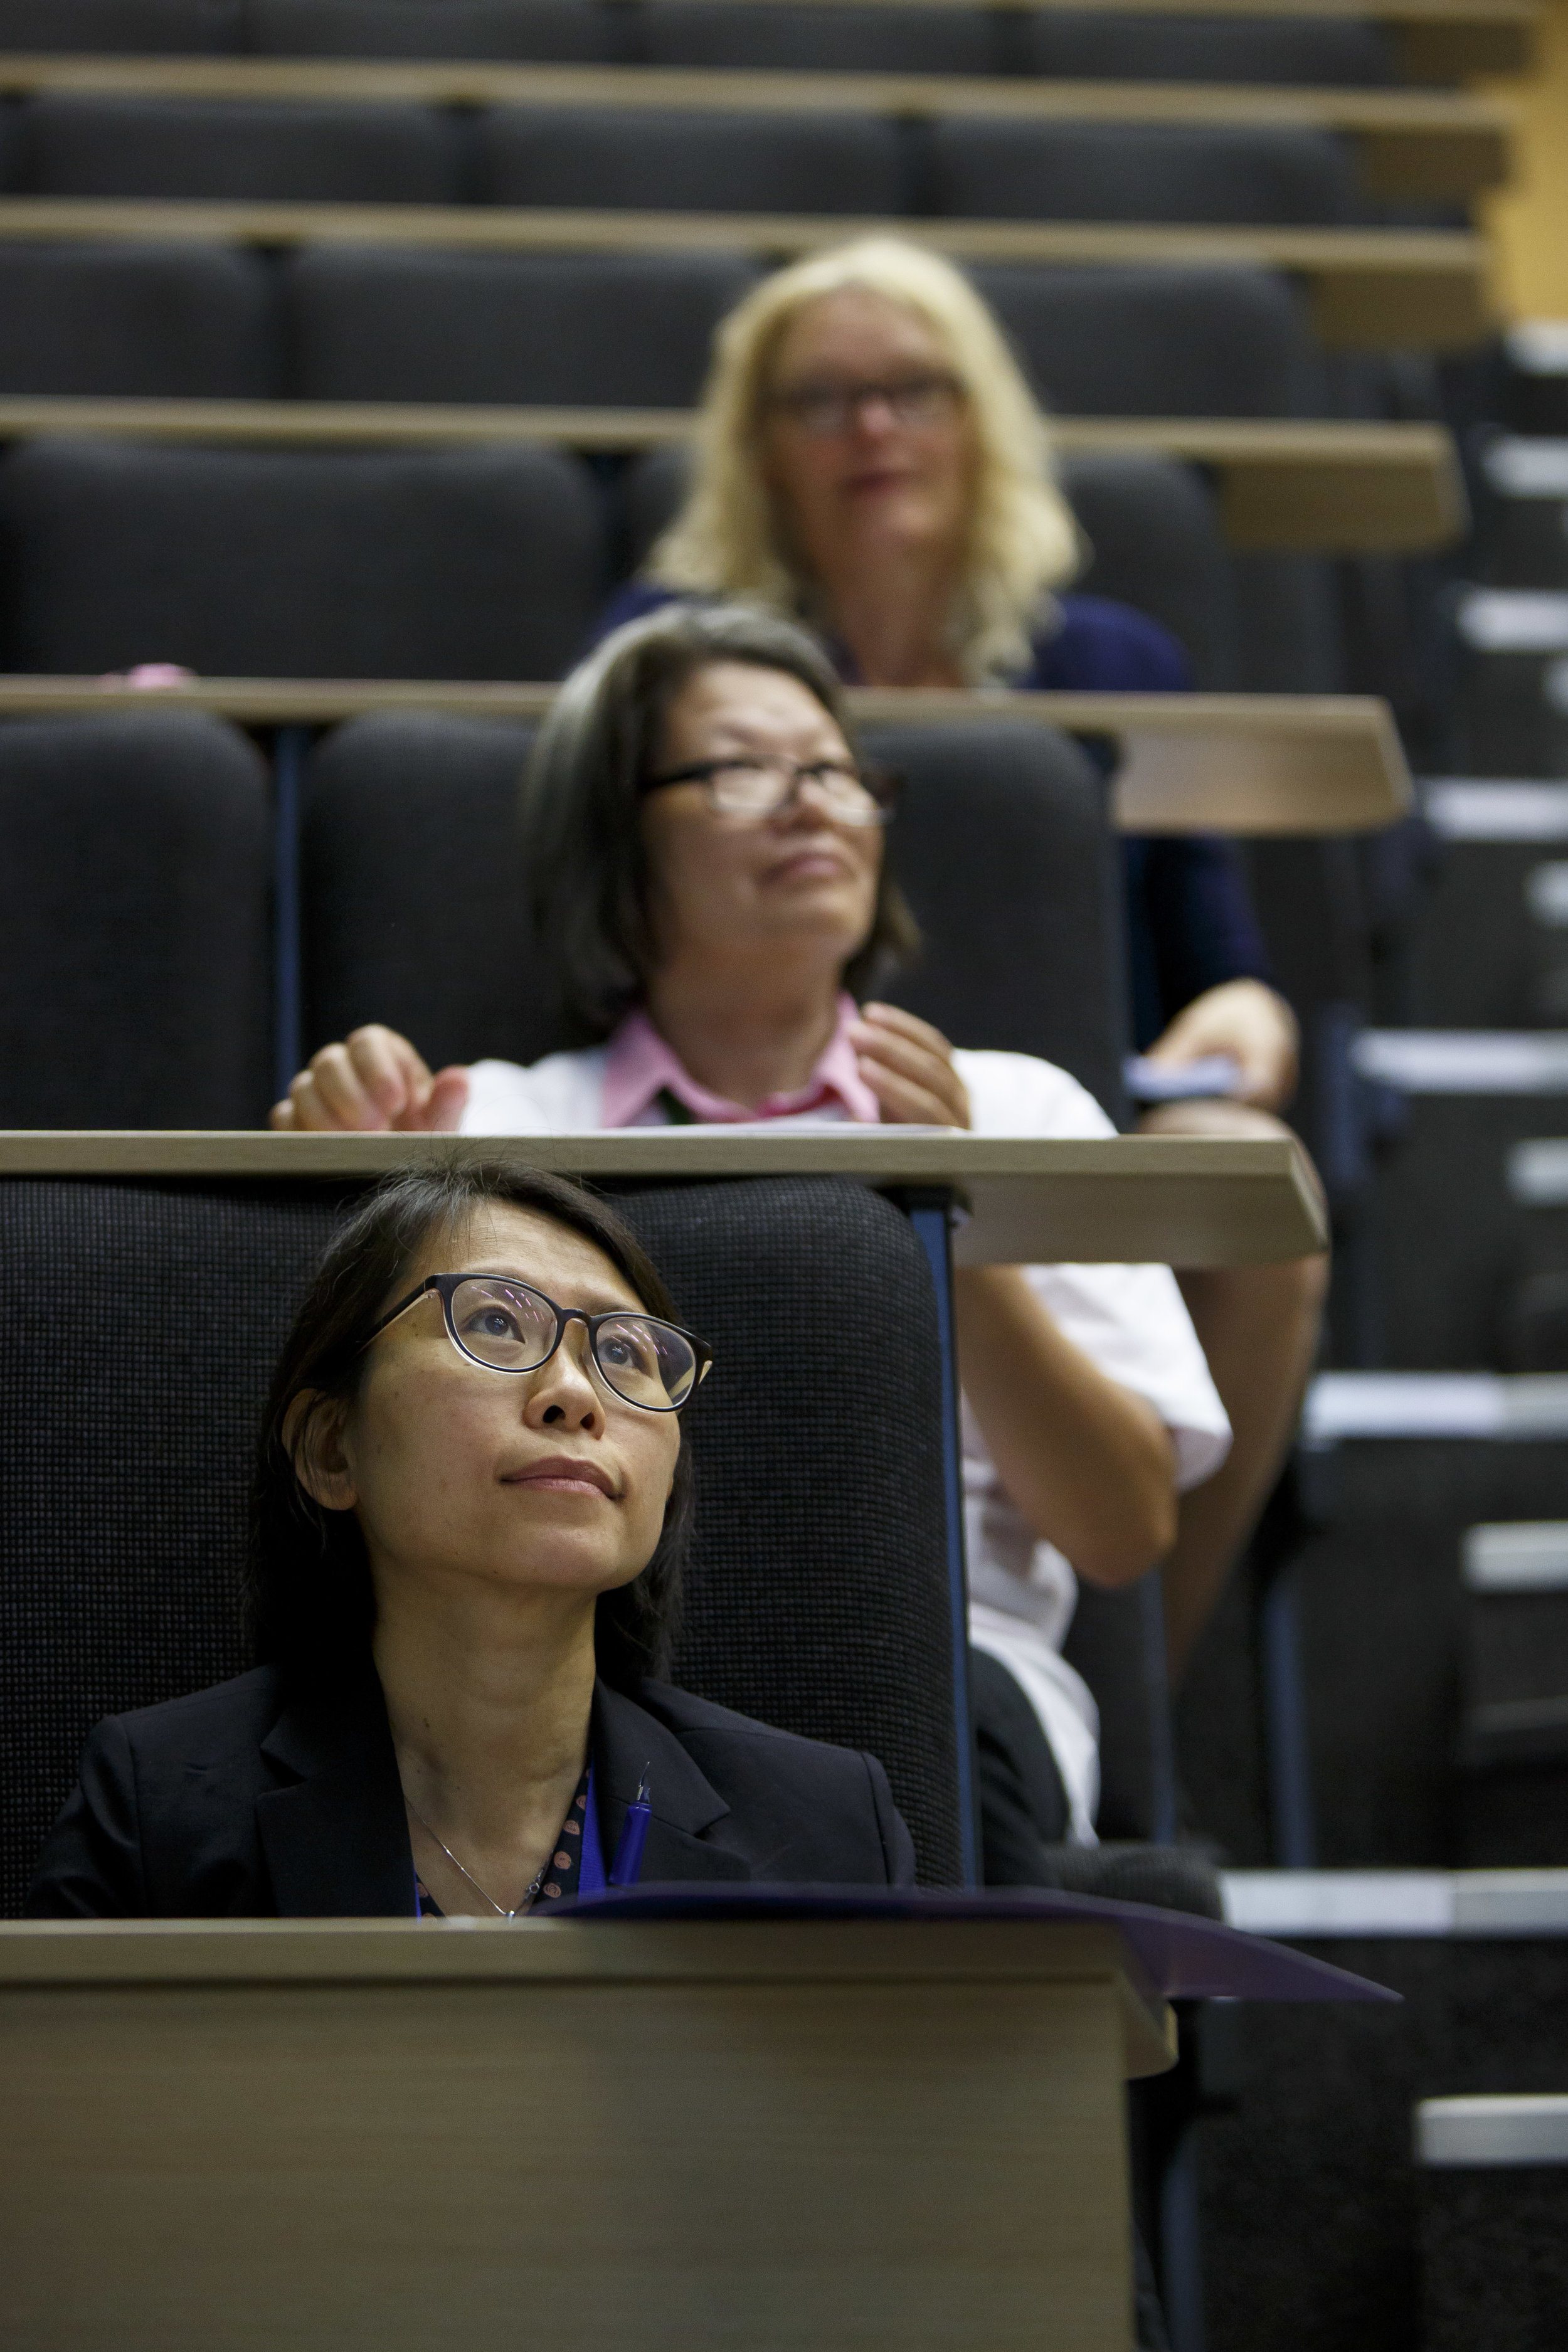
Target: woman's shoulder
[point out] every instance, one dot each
(1101, 647)
(1019, 1094)
(203, 1729)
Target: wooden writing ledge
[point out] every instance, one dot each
(1326, 488)
(1240, 763)
(1183, 1201)
(1369, 288)
(357, 2136)
(1409, 142)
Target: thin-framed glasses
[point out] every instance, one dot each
(509, 1326)
(821, 410)
(753, 786)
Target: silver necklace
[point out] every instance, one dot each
(499, 1910)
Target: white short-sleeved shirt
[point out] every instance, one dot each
(1130, 1320)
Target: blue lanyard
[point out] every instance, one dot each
(591, 1861)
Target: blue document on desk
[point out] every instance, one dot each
(1185, 1957)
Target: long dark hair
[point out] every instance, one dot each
(310, 1603)
(581, 841)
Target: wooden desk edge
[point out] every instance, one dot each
(144, 1955)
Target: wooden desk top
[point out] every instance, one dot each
(1330, 487)
(1184, 1200)
(1411, 142)
(150, 1953)
(1369, 287)
(1190, 763)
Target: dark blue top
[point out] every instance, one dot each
(1190, 920)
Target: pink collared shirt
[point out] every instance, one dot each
(639, 1066)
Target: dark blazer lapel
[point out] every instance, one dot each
(684, 1805)
(336, 1842)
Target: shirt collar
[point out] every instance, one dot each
(640, 1065)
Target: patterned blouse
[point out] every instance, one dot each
(566, 1865)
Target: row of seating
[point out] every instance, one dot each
(141, 858)
(493, 562)
(606, 329)
(1077, 43)
(66, 144)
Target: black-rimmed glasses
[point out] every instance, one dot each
(755, 788)
(821, 410)
(510, 1327)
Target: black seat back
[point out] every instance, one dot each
(671, 161)
(470, 564)
(1002, 848)
(1182, 340)
(568, 32)
(813, 39)
(1090, 44)
(86, 146)
(153, 321)
(820, 1605)
(135, 963)
(1017, 170)
(108, 27)
(413, 910)
(610, 330)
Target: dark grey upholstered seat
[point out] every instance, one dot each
(991, 168)
(412, 914)
(175, 321)
(472, 563)
(1155, 543)
(565, 31)
(815, 39)
(104, 27)
(88, 146)
(699, 161)
(820, 1605)
(1147, 342)
(1004, 854)
(1306, 50)
(135, 965)
(610, 330)
(412, 890)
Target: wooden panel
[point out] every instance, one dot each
(1412, 141)
(1331, 488)
(654, 2164)
(1185, 1201)
(1190, 763)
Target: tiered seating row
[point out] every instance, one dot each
(1138, 40)
(1408, 144)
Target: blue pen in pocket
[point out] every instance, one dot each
(627, 1867)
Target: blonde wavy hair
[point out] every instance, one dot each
(1024, 541)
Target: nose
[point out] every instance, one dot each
(563, 1392)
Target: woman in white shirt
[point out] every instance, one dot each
(708, 856)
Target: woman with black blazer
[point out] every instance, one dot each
(469, 1511)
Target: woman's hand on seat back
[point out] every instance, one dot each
(373, 1083)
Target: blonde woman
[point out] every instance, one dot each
(870, 460)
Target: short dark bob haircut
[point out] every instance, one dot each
(311, 1606)
(581, 841)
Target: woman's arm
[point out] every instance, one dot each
(1089, 1464)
